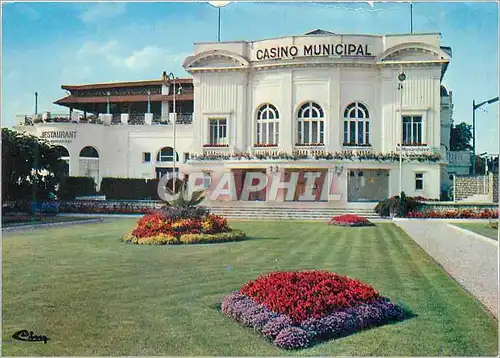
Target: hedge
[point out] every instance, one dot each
(129, 189)
(70, 187)
(123, 188)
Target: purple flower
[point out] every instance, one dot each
(292, 338)
(276, 325)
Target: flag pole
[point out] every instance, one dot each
(411, 17)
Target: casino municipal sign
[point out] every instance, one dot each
(340, 49)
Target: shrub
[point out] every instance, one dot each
(179, 213)
(454, 214)
(399, 205)
(152, 189)
(292, 338)
(124, 188)
(70, 187)
(350, 220)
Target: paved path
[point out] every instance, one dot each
(471, 260)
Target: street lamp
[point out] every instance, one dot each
(484, 156)
(174, 79)
(149, 101)
(401, 79)
(474, 107)
(218, 5)
(36, 102)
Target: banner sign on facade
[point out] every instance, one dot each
(340, 49)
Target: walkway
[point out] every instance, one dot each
(469, 259)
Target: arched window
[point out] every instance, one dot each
(89, 163)
(311, 124)
(166, 154)
(356, 125)
(89, 152)
(267, 125)
(63, 153)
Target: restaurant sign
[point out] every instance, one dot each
(59, 136)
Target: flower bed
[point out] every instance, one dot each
(161, 229)
(295, 309)
(454, 214)
(350, 220)
(318, 155)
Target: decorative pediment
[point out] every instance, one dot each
(414, 52)
(215, 59)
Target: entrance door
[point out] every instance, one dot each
(367, 185)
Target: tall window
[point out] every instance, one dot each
(311, 124)
(218, 131)
(412, 130)
(419, 181)
(267, 125)
(356, 125)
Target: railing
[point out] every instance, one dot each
(184, 118)
(459, 157)
(136, 119)
(116, 119)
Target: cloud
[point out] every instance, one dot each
(93, 48)
(102, 11)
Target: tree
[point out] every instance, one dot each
(21, 154)
(461, 136)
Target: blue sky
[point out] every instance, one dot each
(46, 45)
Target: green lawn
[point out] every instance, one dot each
(92, 295)
(481, 229)
(46, 220)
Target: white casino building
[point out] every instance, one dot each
(333, 103)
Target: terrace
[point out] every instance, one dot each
(103, 119)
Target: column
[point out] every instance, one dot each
(287, 119)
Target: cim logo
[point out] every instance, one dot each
(294, 186)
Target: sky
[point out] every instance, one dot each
(46, 45)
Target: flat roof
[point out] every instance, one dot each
(123, 84)
(321, 35)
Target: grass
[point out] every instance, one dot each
(45, 220)
(93, 295)
(481, 229)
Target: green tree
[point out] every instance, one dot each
(461, 136)
(21, 154)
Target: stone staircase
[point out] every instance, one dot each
(288, 213)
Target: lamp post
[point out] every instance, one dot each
(401, 79)
(474, 107)
(149, 101)
(218, 5)
(36, 102)
(107, 101)
(174, 79)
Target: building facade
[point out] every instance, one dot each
(323, 103)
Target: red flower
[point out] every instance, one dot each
(306, 294)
